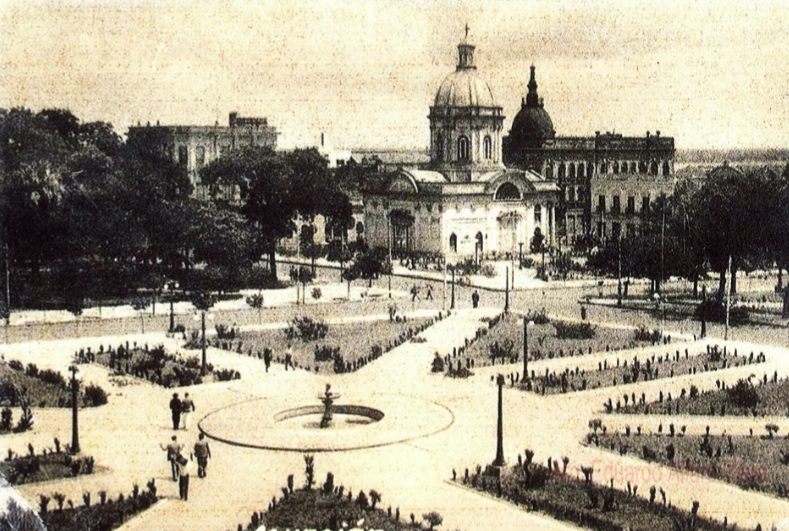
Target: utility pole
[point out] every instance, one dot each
(507, 291)
(452, 301)
(619, 272)
(499, 462)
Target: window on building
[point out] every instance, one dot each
(645, 203)
(183, 155)
(507, 192)
(549, 171)
(616, 230)
(616, 168)
(571, 170)
(633, 167)
(200, 156)
(631, 204)
(562, 171)
(453, 243)
(616, 207)
(601, 203)
(642, 167)
(603, 168)
(600, 229)
(666, 168)
(440, 146)
(653, 168)
(487, 145)
(571, 194)
(538, 213)
(590, 170)
(463, 148)
(580, 169)
(631, 230)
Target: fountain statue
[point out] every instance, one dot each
(328, 399)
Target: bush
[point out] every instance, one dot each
(316, 293)
(306, 329)
(538, 317)
(94, 396)
(226, 375)
(565, 330)
(642, 333)
(326, 353)
(223, 332)
(715, 311)
(16, 365)
(743, 395)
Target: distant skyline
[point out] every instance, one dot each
(712, 74)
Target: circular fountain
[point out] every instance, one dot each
(273, 423)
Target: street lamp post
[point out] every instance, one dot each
(452, 300)
(499, 461)
(526, 324)
(619, 272)
(172, 286)
(74, 410)
(507, 291)
(520, 255)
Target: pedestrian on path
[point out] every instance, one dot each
(184, 471)
(475, 298)
(289, 357)
(202, 453)
(173, 449)
(429, 296)
(187, 407)
(415, 293)
(267, 357)
(175, 411)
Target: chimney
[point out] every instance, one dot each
(323, 139)
(647, 134)
(232, 119)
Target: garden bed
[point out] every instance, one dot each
(50, 464)
(154, 364)
(640, 368)
(750, 462)
(326, 348)
(553, 491)
(36, 387)
(100, 513)
(329, 506)
(500, 340)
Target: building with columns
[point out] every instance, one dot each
(604, 180)
(465, 202)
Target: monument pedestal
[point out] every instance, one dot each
(496, 471)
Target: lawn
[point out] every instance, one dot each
(154, 364)
(45, 466)
(750, 462)
(358, 343)
(644, 367)
(561, 496)
(42, 388)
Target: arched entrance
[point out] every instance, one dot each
(402, 230)
(508, 231)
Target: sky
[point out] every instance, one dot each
(712, 74)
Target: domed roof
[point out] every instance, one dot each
(532, 125)
(463, 87)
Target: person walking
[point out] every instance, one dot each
(267, 357)
(202, 453)
(173, 449)
(187, 407)
(414, 293)
(175, 411)
(429, 296)
(289, 357)
(475, 298)
(184, 471)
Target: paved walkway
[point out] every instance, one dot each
(124, 437)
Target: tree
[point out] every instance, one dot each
(375, 498)
(369, 266)
(433, 519)
(202, 301)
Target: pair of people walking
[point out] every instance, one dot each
(181, 411)
(181, 466)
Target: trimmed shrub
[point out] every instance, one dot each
(565, 330)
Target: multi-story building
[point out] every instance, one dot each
(605, 180)
(194, 146)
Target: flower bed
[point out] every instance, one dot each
(750, 462)
(50, 464)
(154, 364)
(331, 507)
(553, 491)
(42, 388)
(339, 348)
(98, 514)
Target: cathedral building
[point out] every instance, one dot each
(464, 201)
(605, 181)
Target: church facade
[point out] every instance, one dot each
(465, 202)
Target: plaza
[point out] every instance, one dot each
(431, 424)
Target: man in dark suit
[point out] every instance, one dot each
(175, 410)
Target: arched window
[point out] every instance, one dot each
(580, 169)
(549, 171)
(440, 146)
(463, 148)
(616, 168)
(507, 192)
(632, 167)
(487, 145)
(479, 240)
(642, 167)
(538, 213)
(453, 242)
(571, 170)
(653, 168)
(603, 168)
(665, 168)
(562, 170)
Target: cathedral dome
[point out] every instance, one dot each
(532, 126)
(463, 87)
